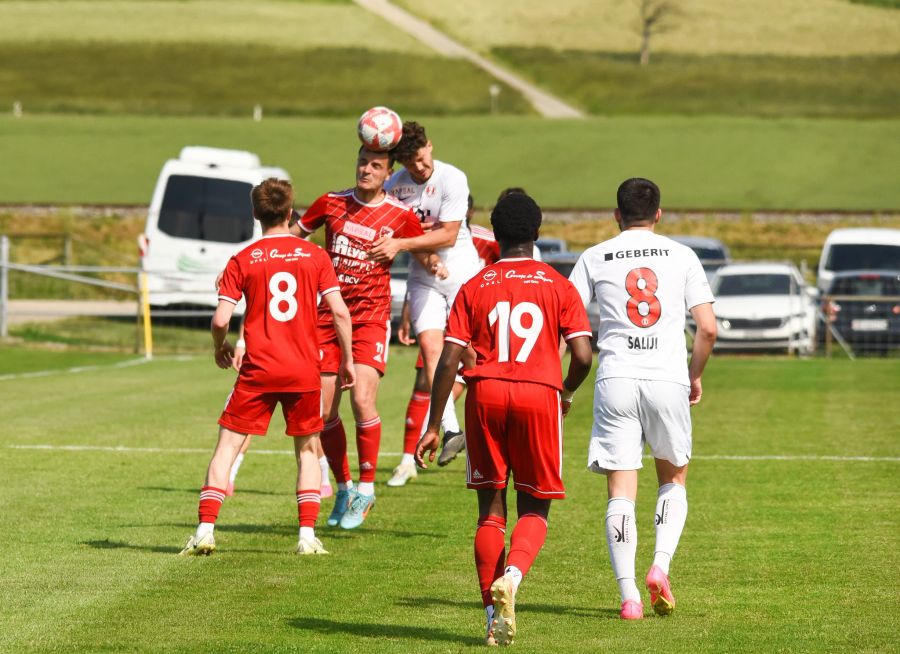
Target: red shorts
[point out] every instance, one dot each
(248, 412)
(370, 346)
(514, 427)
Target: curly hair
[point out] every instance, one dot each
(413, 140)
(516, 219)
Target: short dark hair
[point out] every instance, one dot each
(388, 153)
(510, 191)
(638, 201)
(413, 140)
(272, 199)
(516, 219)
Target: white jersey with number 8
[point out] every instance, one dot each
(644, 284)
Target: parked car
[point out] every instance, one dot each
(200, 215)
(764, 306)
(563, 263)
(870, 249)
(551, 246)
(713, 253)
(864, 308)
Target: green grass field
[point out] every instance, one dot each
(798, 553)
(700, 162)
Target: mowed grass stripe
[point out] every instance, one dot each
(224, 80)
(614, 84)
(701, 162)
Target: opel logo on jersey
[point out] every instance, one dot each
(256, 253)
(489, 276)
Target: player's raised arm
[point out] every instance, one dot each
(704, 339)
(442, 384)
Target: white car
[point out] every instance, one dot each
(764, 306)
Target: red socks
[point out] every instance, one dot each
(490, 548)
(416, 413)
(368, 438)
(334, 442)
(526, 541)
(308, 502)
(210, 502)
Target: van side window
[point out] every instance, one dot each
(207, 209)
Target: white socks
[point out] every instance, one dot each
(515, 576)
(235, 467)
(621, 538)
(204, 528)
(449, 421)
(307, 533)
(408, 459)
(671, 512)
(323, 466)
(366, 488)
(348, 486)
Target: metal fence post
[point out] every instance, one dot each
(4, 284)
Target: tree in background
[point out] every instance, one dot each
(656, 16)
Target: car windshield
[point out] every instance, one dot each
(860, 256)
(867, 285)
(770, 284)
(709, 254)
(207, 209)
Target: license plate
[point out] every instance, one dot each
(869, 325)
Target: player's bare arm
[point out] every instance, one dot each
(432, 263)
(344, 330)
(579, 368)
(223, 351)
(704, 340)
(444, 236)
(441, 386)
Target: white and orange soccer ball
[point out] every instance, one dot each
(380, 129)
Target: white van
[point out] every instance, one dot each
(867, 248)
(200, 215)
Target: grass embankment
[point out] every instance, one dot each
(699, 162)
(768, 530)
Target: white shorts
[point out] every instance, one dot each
(429, 306)
(629, 413)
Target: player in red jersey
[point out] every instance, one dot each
(354, 220)
(280, 276)
(513, 314)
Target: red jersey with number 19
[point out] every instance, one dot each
(513, 313)
(280, 276)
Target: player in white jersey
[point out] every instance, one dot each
(438, 193)
(644, 284)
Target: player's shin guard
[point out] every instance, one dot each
(210, 502)
(490, 551)
(416, 412)
(334, 442)
(308, 502)
(621, 538)
(527, 539)
(368, 439)
(671, 513)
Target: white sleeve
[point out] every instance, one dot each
(454, 197)
(581, 280)
(696, 287)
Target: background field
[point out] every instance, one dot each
(793, 554)
(708, 162)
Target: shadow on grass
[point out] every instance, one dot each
(525, 607)
(107, 544)
(196, 491)
(373, 630)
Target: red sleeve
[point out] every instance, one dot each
(328, 281)
(315, 216)
(573, 320)
(231, 287)
(459, 324)
(411, 225)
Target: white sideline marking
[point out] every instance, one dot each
(77, 369)
(207, 450)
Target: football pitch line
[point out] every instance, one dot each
(77, 369)
(198, 450)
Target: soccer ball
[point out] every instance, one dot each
(380, 129)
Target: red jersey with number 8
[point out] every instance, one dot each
(281, 277)
(513, 313)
